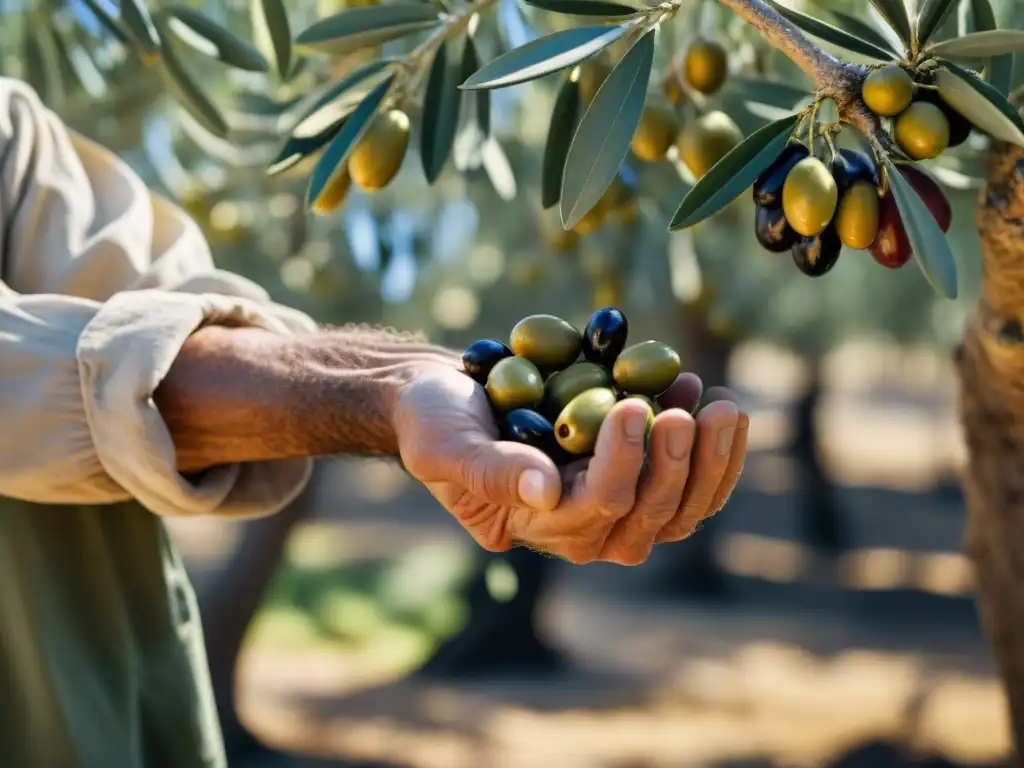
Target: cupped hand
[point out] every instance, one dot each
(612, 507)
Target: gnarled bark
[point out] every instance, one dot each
(991, 368)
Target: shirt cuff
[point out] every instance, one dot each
(123, 354)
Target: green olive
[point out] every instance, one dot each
(887, 91)
(922, 131)
(515, 382)
(546, 341)
(809, 197)
(565, 385)
(857, 216)
(651, 402)
(579, 422)
(647, 368)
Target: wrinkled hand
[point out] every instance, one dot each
(611, 507)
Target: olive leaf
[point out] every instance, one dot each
(270, 19)
(470, 64)
(312, 114)
(981, 45)
(831, 34)
(560, 132)
(140, 26)
(191, 95)
(585, 7)
(864, 31)
(296, 148)
(498, 169)
(335, 156)
(544, 55)
(108, 21)
(357, 28)
(440, 115)
(998, 69)
(986, 108)
(894, 12)
(210, 38)
(734, 173)
(926, 238)
(604, 134)
(930, 17)
(40, 66)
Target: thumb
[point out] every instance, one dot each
(506, 473)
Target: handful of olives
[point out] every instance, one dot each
(542, 392)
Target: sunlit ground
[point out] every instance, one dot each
(815, 659)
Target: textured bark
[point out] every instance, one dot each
(991, 367)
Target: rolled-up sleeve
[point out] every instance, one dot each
(101, 283)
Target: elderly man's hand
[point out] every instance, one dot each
(611, 507)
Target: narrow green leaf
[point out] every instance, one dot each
(986, 108)
(440, 115)
(138, 22)
(544, 55)
(998, 69)
(926, 239)
(271, 17)
(113, 25)
(585, 7)
(831, 34)
(931, 16)
(560, 133)
(191, 95)
(864, 31)
(359, 75)
(604, 134)
(297, 149)
(335, 157)
(981, 45)
(734, 173)
(211, 39)
(470, 64)
(357, 28)
(773, 92)
(895, 14)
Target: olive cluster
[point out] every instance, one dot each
(923, 124)
(812, 209)
(544, 395)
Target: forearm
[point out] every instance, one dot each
(245, 395)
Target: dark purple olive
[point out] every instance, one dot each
(605, 336)
(849, 166)
(530, 428)
(768, 187)
(959, 126)
(772, 230)
(814, 256)
(481, 356)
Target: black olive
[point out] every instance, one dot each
(525, 426)
(481, 356)
(815, 256)
(768, 187)
(959, 126)
(605, 336)
(772, 230)
(849, 166)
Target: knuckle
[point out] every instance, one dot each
(617, 501)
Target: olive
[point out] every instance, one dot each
(887, 91)
(547, 341)
(515, 382)
(768, 187)
(849, 166)
(333, 194)
(706, 65)
(816, 255)
(525, 426)
(580, 421)
(857, 216)
(655, 133)
(672, 88)
(959, 126)
(591, 221)
(891, 247)
(922, 131)
(562, 387)
(605, 336)
(772, 230)
(651, 403)
(707, 140)
(647, 368)
(809, 197)
(377, 157)
(481, 356)
(931, 193)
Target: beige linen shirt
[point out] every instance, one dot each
(100, 284)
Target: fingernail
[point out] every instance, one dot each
(636, 425)
(533, 489)
(678, 445)
(724, 444)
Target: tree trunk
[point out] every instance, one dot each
(991, 369)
